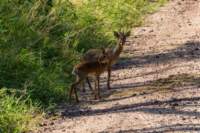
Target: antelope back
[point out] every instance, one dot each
(92, 55)
(93, 66)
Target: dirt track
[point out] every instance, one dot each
(156, 84)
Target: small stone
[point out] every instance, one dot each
(134, 95)
(52, 123)
(42, 124)
(157, 56)
(179, 3)
(174, 104)
(151, 30)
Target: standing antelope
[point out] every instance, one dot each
(113, 53)
(86, 68)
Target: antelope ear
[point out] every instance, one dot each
(116, 34)
(128, 33)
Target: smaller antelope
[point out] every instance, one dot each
(86, 68)
(113, 53)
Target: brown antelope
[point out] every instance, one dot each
(113, 53)
(92, 56)
(86, 68)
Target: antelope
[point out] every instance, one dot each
(86, 68)
(113, 53)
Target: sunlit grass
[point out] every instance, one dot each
(17, 115)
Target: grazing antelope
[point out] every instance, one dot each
(113, 53)
(86, 68)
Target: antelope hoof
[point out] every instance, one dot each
(77, 101)
(108, 86)
(96, 97)
(70, 100)
(83, 90)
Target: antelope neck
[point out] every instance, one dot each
(117, 50)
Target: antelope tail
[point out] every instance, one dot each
(74, 71)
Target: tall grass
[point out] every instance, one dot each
(41, 40)
(16, 115)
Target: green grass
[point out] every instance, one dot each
(42, 40)
(17, 115)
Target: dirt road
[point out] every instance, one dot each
(156, 83)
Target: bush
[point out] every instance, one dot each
(30, 57)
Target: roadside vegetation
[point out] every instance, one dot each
(41, 40)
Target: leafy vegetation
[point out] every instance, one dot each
(40, 42)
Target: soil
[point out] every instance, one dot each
(155, 84)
